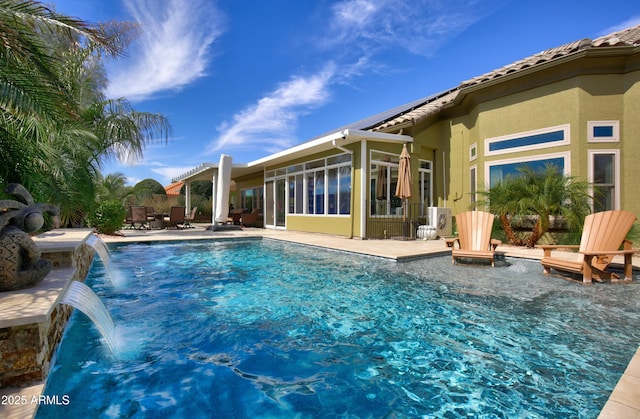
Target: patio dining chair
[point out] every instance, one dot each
(250, 219)
(139, 217)
(177, 217)
(189, 218)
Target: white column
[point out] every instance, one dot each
(187, 197)
(364, 175)
(214, 194)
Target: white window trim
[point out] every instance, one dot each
(616, 175)
(566, 141)
(564, 155)
(373, 161)
(613, 139)
(421, 172)
(285, 173)
(473, 148)
(474, 197)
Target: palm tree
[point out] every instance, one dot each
(56, 127)
(35, 104)
(112, 187)
(122, 132)
(542, 193)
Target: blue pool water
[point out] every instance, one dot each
(260, 328)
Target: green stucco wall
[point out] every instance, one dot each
(508, 109)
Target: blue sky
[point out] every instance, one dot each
(250, 77)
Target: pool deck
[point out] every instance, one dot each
(623, 403)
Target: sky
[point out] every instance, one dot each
(249, 78)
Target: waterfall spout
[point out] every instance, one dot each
(80, 296)
(101, 249)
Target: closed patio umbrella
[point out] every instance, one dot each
(381, 183)
(403, 188)
(222, 191)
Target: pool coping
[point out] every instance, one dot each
(623, 402)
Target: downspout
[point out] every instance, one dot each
(353, 174)
(444, 181)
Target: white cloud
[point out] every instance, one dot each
(418, 26)
(173, 49)
(270, 124)
(359, 30)
(169, 173)
(633, 21)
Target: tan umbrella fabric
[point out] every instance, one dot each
(403, 188)
(381, 183)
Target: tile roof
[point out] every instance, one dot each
(629, 37)
(174, 188)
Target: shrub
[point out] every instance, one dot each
(147, 188)
(108, 216)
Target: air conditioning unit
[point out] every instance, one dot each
(440, 218)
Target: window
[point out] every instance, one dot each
(252, 198)
(384, 178)
(473, 185)
(319, 192)
(426, 186)
(529, 140)
(604, 175)
(383, 173)
(473, 152)
(603, 131)
(499, 170)
(320, 187)
(344, 190)
(296, 194)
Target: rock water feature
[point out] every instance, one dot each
(20, 262)
(40, 281)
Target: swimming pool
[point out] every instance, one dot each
(261, 328)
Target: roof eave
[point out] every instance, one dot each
(589, 52)
(326, 142)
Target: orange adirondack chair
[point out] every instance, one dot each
(474, 237)
(602, 237)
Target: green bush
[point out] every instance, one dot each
(108, 216)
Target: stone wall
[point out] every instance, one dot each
(26, 350)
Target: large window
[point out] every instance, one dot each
(529, 140)
(319, 187)
(296, 194)
(604, 175)
(252, 198)
(500, 169)
(473, 185)
(384, 179)
(426, 186)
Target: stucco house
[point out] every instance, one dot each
(576, 105)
